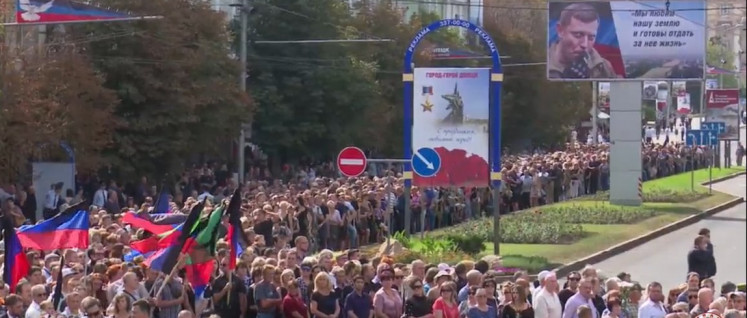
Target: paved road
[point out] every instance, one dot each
(664, 259)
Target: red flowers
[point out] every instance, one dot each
(457, 170)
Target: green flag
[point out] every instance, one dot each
(208, 235)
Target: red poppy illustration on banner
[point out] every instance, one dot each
(450, 115)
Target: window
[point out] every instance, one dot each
(726, 9)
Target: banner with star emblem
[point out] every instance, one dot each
(451, 116)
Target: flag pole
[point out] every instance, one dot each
(19, 24)
(169, 277)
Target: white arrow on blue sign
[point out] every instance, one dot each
(702, 138)
(426, 162)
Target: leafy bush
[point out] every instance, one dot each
(469, 243)
(602, 213)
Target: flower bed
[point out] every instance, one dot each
(528, 228)
(601, 213)
(655, 196)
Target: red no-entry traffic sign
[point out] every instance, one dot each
(351, 161)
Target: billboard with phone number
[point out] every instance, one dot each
(626, 40)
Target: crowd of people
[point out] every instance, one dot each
(528, 181)
(271, 279)
(294, 223)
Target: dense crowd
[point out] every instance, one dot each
(339, 213)
(294, 222)
(273, 280)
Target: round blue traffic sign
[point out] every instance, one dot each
(426, 162)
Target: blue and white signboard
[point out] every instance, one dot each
(702, 138)
(426, 162)
(718, 127)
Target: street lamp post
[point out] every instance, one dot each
(244, 9)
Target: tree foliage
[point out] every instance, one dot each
(177, 84)
(312, 99)
(301, 112)
(50, 100)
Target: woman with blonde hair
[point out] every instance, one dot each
(445, 305)
(518, 307)
(324, 303)
(387, 301)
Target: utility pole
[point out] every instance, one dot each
(244, 21)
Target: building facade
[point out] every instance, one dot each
(726, 26)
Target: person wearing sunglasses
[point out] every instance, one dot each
(445, 305)
(571, 289)
(91, 308)
(38, 295)
(417, 305)
(387, 301)
(482, 309)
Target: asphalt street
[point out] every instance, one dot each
(665, 259)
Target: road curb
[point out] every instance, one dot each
(623, 247)
(724, 178)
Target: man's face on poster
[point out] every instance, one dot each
(577, 38)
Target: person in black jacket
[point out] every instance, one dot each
(709, 247)
(700, 260)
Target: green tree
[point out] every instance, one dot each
(312, 99)
(177, 84)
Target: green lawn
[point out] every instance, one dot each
(601, 237)
(682, 181)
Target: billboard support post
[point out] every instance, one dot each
(625, 145)
(493, 122)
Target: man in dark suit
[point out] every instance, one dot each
(709, 247)
(13, 307)
(700, 260)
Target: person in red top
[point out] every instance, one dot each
(446, 306)
(293, 306)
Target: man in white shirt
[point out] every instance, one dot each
(101, 195)
(38, 295)
(653, 306)
(546, 302)
(52, 200)
(541, 279)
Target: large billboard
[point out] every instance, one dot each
(451, 111)
(722, 105)
(626, 40)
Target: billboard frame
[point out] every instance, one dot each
(494, 122)
(621, 79)
(496, 82)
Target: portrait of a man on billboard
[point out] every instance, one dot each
(573, 54)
